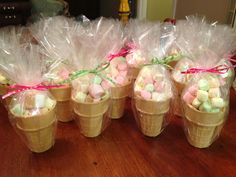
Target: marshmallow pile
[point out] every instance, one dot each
(135, 58)
(90, 88)
(153, 84)
(206, 95)
(58, 74)
(182, 65)
(118, 71)
(32, 103)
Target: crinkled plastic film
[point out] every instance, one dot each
(31, 111)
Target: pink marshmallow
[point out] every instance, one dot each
(123, 73)
(193, 90)
(96, 91)
(159, 87)
(146, 95)
(120, 79)
(122, 67)
(105, 85)
(148, 80)
(64, 74)
(188, 98)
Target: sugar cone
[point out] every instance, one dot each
(178, 102)
(151, 115)
(202, 128)
(37, 131)
(90, 116)
(118, 99)
(64, 108)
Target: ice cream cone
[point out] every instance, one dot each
(151, 115)
(64, 108)
(118, 99)
(37, 131)
(202, 128)
(178, 102)
(90, 116)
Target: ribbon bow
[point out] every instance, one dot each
(16, 88)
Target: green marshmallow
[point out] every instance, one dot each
(80, 96)
(97, 80)
(17, 109)
(149, 87)
(205, 107)
(203, 85)
(215, 110)
(49, 103)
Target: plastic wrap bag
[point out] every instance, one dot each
(206, 96)
(206, 37)
(32, 108)
(139, 34)
(153, 89)
(55, 36)
(90, 94)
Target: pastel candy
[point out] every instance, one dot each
(217, 102)
(96, 91)
(17, 109)
(105, 85)
(84, 87)
(49, 103)
(122, 66)
(97, 80)
(225, 75)
(214, 92)
(39, 100)
(203, 85)
(215, 110)
(149, 87)
(158, 96)
(137, 88)
(202, 95)
(146, 95)
(193, 90)
(80, 96)
(188, 97)
(196, 103)
(159, 87)
(213, 82)
(114, 72)
(158, 77)
(205, 107)
(64, 74)
(120, 80)
(148, 80)
(123, 73)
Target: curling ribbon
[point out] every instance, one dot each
(20, 88)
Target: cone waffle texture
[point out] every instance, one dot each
(151, 115)
(202, 128)
(118, 100)
(91, 116)
(37, 131)
(178, 102)
(64, 108)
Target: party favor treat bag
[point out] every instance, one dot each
(92, 82)
(54, 34)
(32, 109)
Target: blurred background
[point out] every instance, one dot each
(18, 11)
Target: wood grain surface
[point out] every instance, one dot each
(121, 151)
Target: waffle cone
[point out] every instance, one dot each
(38, 131)
(151, 115)
(202, 128)
(64, 107)
(178, 102)
(118, 100)
(90, 116)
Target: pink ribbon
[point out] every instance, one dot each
(20, 88)
(129, 47)
(220, 69)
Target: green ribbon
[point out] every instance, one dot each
(165, 61)
(97, 71)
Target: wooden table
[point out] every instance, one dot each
(121, 151)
